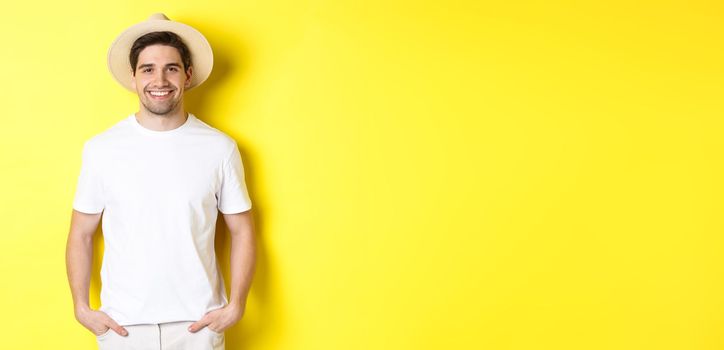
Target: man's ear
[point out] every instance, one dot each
(133, 80)
(189, 74)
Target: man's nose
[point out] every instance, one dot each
(159, 76)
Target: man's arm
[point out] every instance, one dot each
(78, 261)
(243, 261)
(243, 255)
(79, 256)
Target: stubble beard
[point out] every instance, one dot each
(163, 108)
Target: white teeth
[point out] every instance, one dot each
(159, 93)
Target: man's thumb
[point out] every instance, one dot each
(196, 326)
(118, 329)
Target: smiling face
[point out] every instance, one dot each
(160, 79)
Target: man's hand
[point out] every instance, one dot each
(98, 322)
(220, 319)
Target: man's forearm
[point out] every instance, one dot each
(78, 260)
(243, 261)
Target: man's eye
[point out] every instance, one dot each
(173, 69)
(146, 70)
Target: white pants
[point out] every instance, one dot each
(162, 336)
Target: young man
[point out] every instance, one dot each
(159, 178)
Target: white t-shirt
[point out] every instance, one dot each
(159, 192)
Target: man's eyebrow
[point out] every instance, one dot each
(152, 65)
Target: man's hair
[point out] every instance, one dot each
(162, 38)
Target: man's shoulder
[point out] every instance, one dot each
(108, 136)
(219, 137)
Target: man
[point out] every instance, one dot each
(159, 178)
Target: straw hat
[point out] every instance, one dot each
(202, 57)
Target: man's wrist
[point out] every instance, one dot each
(81, 308)
(237, 306)
(234, 303)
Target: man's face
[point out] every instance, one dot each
(160, 80)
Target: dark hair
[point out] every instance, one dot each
(163, 38)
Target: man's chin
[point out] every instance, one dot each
(162, 113)
(159, 111)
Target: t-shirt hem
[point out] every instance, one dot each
(156, 321)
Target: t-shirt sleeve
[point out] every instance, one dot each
(233, 196)
(89, 190)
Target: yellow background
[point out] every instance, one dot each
(425, 175)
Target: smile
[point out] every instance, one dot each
(159, 94)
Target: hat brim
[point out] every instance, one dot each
(202, 58)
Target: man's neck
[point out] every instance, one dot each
(157, 122)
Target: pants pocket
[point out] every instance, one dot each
(104, 334)
(213, 332)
